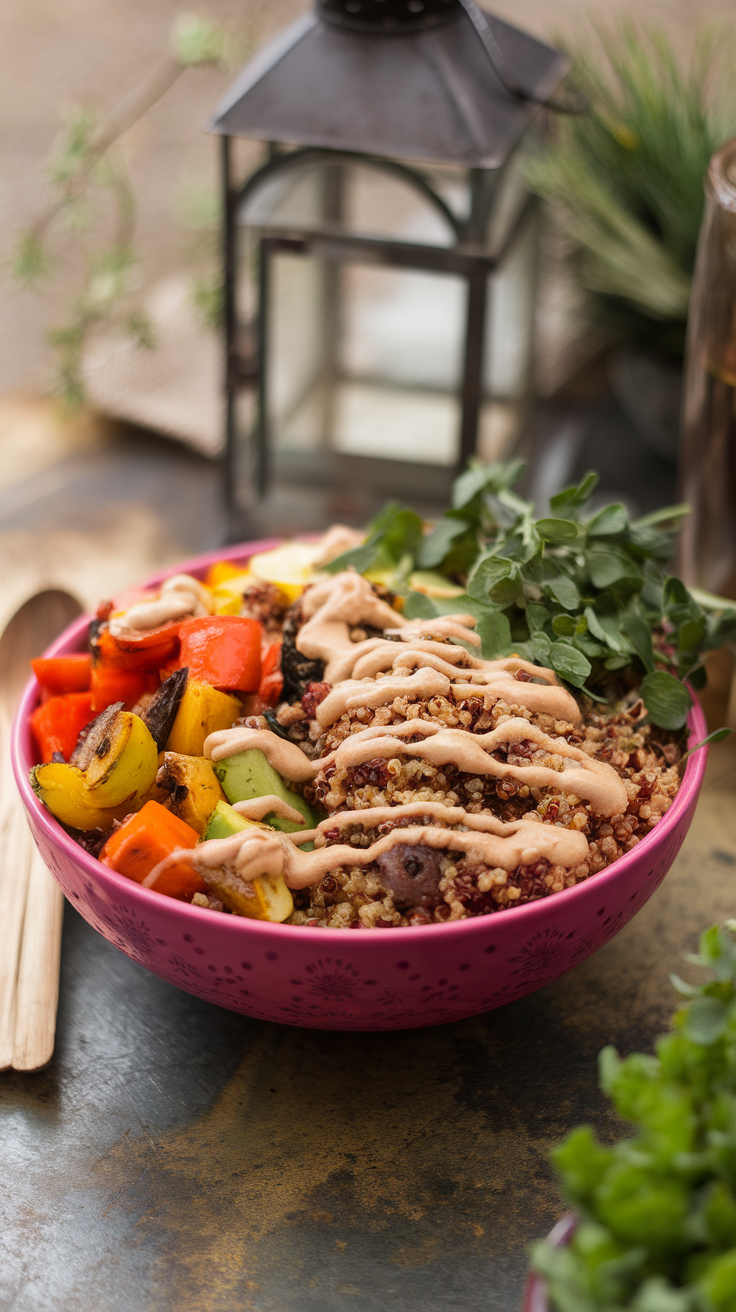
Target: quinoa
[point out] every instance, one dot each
(645, 758)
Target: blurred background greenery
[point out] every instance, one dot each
(56, 57)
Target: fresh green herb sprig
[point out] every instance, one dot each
(586, 594)
(657, 1212)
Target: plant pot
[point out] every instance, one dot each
(535, 1295)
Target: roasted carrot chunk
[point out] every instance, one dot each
(222, 650)
(145, 839)
(179, 880)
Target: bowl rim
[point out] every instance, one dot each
(117, 884)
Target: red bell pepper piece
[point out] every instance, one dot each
(272, 680)
(57, 724)
(146, 651)
(223, 650)
(143, 840)
(110, 685)
(61, 674)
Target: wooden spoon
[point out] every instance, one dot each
(31, 903)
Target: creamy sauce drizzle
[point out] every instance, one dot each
(354, 693)
(178, 598)
(257, 854)
(596, 781)
(257, 808)
(335, 606)
(338, 539)
(285, 757)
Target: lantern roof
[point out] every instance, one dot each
(434, 80)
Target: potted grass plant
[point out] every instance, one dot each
(654, 1224)
(624, 186)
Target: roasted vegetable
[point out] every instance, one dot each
(192, 787)
(263, 898)
(298, 671)
(160, 714)
(290, 567)
(145, 839)
(109, 685)
(224, 822)
(145, 652)
(179, 880)
(93, 734)
(63, 790)
(228, 592)
(58, 675)
(155, 793)
(202, 711)
(57, 724)
(222, 572)
(123, 765)
(272, 680)
(224, 650)
(249, 775)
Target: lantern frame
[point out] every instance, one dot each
(468, 258)
(449, 85)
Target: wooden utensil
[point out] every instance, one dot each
(31, 903)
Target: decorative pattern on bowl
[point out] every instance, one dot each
(347, 979)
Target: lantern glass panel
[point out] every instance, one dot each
(365, 359)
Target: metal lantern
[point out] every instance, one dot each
(379, 263)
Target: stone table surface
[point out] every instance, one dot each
(174, 1155)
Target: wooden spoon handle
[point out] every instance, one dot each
(37, 993)
(16, 845)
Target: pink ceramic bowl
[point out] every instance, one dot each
(343, 979)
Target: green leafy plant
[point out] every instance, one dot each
(625, 180)
(657, 1212)
(93, 194)
(585, 593)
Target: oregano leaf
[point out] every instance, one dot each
(569, 663)
(572, 498)
(666, 699)
(641, 636)
(564, 591)
(607, 563)
(436, 545)
(494, 632)
(560, 531)
(495, 579)
(608, 522)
